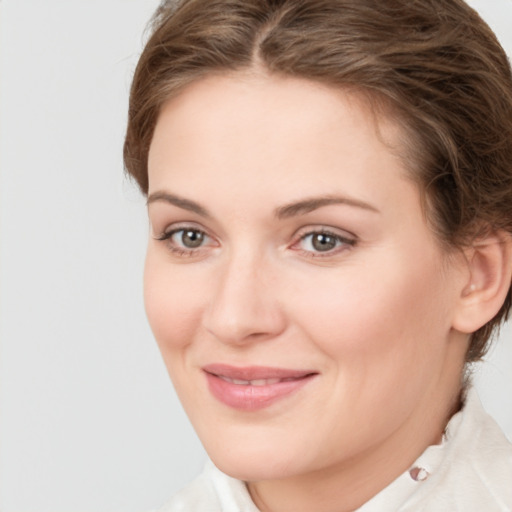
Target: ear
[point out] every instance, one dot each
(489, 262)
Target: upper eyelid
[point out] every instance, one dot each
(337, 232)
(340, 238)
(176, 226)
(168, 233)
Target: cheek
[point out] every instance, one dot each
(379, 316)
(383, 335)
(172, 304)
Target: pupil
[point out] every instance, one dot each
(192, 239)
(322, 242)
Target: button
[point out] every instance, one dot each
(419, 474)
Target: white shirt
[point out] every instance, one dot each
(471, 471)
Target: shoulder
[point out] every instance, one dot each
(211, 491)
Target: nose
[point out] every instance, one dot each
(244, 307)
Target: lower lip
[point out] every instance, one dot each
(253, 398)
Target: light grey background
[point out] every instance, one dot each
(88, 419)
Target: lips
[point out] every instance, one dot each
(255, 382)
(255, 387)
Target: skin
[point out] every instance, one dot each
(374, 316)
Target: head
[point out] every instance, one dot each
(434, 66)
(269, 132)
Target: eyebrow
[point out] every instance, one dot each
(283, 212)
(180, 202)
(310, 204)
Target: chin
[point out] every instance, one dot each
(250, 469)
(251, 463)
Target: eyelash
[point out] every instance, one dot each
(343, 242)
(166, 236)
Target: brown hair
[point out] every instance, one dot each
(435, 61)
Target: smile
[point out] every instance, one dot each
(255, 382)
(254, 388)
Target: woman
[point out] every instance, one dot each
(329, 191)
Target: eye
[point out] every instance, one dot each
(189, 238)
(323, 243)
(185, 240)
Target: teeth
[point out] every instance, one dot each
(256, 382)
(268, 382)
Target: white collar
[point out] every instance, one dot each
(471, 470)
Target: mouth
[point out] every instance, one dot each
(255, 387)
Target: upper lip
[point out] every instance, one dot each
(249, 373)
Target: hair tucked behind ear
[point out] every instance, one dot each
(435, 62)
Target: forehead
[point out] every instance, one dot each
(247, 130)
(235, 95)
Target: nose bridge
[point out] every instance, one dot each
(244, 306)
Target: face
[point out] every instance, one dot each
(300, 301)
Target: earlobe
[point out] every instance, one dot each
(490, 275)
